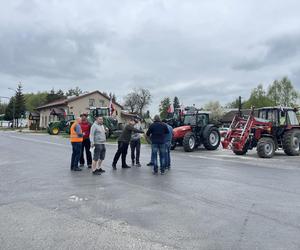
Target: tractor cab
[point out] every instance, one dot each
(102, 111)
(279, 116)
(197, 119)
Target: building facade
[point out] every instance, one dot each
(76, 106)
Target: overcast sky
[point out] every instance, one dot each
(198, 50)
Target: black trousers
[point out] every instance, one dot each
(122, 150)
(86, 145)
(135, 145)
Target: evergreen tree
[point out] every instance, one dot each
(176, 103)
(113, 96)
(53, 96)
(163, 107)
(9, 112)
(74, 92)
(20, 107)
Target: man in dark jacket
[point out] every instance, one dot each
(123, 143)
(158, 131)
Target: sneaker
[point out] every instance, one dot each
(114, 166)
(96, 172)
(77, 169)
(89, 166)
(163, 173)
(138, 165)
(150, 164)
(100, 170)
(126, 166)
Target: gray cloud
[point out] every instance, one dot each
(198, 50)
(276, 51)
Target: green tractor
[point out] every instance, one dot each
(114, 127)
(62, 125)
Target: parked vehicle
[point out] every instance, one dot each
(195, 131)
(114, 127)
(62, 125)
(274, 128)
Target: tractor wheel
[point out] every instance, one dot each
(212, 139)
(173, 144)
(54, 130)
(189, 142)
(291, 142)
(266, 147)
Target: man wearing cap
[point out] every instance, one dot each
(86, 143)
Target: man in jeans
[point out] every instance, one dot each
(123, 143)
(135, 145)
(86, 143)
(76, 141)
(98, 139)
(158, 132)
(168, 142)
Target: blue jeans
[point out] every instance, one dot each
(168, 156)
(161, 150)
(76, 152)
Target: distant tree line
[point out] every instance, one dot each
(279, 93)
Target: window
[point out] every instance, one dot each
(292, 118)
(92, 102)
(101, 102)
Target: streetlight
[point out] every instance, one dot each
(14, 107)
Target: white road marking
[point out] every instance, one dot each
(247, 161)
(39, 141)
(48, 142)
(11, 162)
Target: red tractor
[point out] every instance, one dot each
(195, 131)
(275, 127)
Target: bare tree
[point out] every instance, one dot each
(138, 100)
(131, 102)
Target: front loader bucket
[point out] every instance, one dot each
(225, 144)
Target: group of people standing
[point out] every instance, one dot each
(84, 136)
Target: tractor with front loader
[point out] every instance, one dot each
(196, 130)
(274, 128)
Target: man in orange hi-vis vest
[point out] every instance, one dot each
(76, 138)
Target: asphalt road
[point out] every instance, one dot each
(209, 200)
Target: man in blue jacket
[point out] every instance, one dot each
(158, 131)
(168, 141)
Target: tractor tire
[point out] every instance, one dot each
(173, 145)
(54, 130)
(291, 142)
(266, 147)
(189, 142)
(212, 138)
